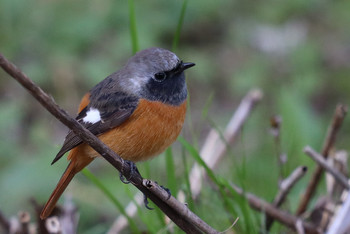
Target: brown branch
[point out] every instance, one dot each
(283, 217)
(323, 163)
(176, 211)
(285, 187)
(275, 122)
(333, 129)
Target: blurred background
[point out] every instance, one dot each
(296, 52)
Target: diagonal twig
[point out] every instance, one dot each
(276, 122)
(282, 216)
(333, 129)
(176, 211)
(323, 163)
(285, 187)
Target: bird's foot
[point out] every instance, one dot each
(133, 170)
(145, 198)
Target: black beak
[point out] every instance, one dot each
(185, 66)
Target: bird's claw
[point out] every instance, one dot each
(133, 170)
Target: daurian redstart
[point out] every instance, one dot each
(137, 111)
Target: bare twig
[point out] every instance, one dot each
(176, 211)
(275, 122)
(340, 162)
(299, 227)
(288, 183)
(283, 217)
(333, 129)
(213, 150)
(323, 163)
(285, 187)
(341, 221)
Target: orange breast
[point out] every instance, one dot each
(149, 131)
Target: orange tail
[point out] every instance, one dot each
(76, 165)
(61, 186)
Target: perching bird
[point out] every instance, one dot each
(137, 111)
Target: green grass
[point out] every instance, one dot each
(133, 27)
(98, 183)
(179, 26)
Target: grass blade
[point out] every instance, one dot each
(133, 28)
(170, 169)
(187, 180)
(179, 25)
(194, 153)
(111, 197)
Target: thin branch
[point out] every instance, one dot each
(285, 187)
(333, 129)
(299, 227)
(213, 150)
(283, 217)
(176, 211)
(323, 163)
(275, 122)
(340, 162)
(341, 220)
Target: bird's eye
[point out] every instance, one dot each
(160, 76)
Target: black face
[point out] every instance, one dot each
(168, 86)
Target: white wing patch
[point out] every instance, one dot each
(92, 116)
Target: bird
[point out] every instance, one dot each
(138, 111)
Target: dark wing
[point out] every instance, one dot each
(112, 116)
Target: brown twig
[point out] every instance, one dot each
(285, 187)
(283, 217)
(275, 122)
(323, 163)
(176, 211)
(333, 129)
(339, 160)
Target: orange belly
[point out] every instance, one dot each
(149, 131)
